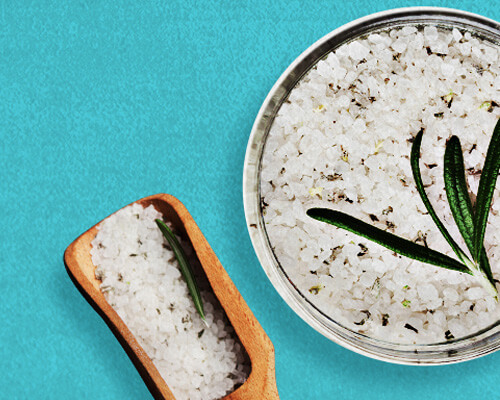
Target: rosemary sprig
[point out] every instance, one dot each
(415, 167)
(395, 243)
(185, 267)
(456, 190)
(459, 200)
(487, 184)
(472, 225)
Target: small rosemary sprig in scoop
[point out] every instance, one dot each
(184, 266)
(471, 223)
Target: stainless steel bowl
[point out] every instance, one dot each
(466, 348)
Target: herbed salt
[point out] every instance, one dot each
(142, 282)
(347, 128)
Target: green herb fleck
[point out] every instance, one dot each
(406, 303)
(315, 289)
(411, 328)
(387, 211)
(316, 191)
(320, 108)
(378, 146)
(375, 289)
(485, 105)
(345, 154)
(449, 97)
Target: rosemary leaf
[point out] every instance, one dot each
(459, 199)
(185, 267)
(395, 243)
(415, 167)
(487, 184)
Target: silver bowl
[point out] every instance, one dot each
(465, 348)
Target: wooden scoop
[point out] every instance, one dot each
(261, 383)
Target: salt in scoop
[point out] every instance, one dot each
(261, 383)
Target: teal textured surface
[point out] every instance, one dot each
(104, 104)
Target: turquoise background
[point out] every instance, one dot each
(101, 105)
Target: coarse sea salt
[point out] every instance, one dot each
(347, 128)
(142, 282)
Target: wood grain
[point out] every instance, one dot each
(260, 385)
